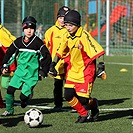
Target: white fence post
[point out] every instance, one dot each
(108, 26)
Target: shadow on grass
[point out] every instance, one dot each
(12, 122)
(112, 101)
(114, 115)
(39, 101)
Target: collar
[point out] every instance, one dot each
(28, 42)
(77, 34)
(58, 26)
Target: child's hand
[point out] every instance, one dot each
(101, 71)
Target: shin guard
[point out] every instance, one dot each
(78, 106)
(10, 103)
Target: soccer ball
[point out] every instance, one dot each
(33, 117)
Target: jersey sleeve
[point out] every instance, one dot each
(6, 38)
(47, 38)
(45, 60)
(62, 49)
(92, 47)
(10, 56)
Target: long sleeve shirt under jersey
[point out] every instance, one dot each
(32, 56)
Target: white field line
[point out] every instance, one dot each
(119, 63)
(46, 107)
(117, 109)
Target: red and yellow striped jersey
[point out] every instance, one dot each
(83, 51)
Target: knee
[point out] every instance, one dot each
(69, 93)
(11, 90)
(83, 100)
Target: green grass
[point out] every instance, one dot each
(114, 92)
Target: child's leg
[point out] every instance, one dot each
(5, 79)
(1, 101)
(24, 100)
(10, 103)
(75, 103)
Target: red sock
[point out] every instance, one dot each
(78, 106)
(1, 101)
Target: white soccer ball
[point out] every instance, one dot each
(33, 117)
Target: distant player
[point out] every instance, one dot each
(81, 71)
(33, 62)
(6, 39)
(53, 37)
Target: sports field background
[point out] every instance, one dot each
(115, 104)
(45, 12)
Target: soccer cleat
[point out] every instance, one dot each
(83, 119)
(23, 104)
(95, 111)
(6, 113)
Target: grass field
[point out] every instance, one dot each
(115, 104)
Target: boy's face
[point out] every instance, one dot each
(28, 32)
(71, 28)
(61, 21)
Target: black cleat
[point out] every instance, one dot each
(83, 119)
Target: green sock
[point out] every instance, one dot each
(10, 103)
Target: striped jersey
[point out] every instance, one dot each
(83, 51)
(32, 56)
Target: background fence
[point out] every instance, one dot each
(121, 19)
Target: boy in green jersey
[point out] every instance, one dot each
(33, 62)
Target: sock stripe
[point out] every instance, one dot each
(73, 102)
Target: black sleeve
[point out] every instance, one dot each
(11, 50)
(46, 60)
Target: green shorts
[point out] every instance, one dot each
(26, 85)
